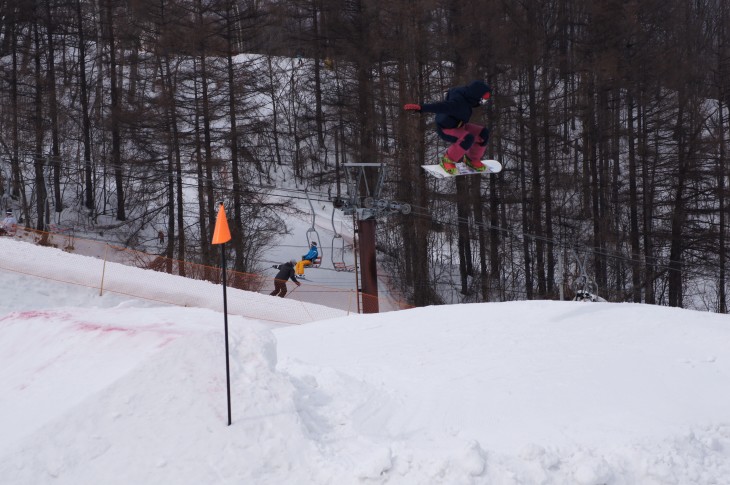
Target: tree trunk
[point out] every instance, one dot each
(16, 187)
(549, 236)
(200, 167)
(525, 211)
(176, 205)
(238, 229)
(40, 182)
(722, 217)
(115, 114)
(53, 109)
(676, 244)
(647, 202)
(476, 196)
(633, 206)
(210, 202)
(463, 203)
(319, 114)
(89, 198)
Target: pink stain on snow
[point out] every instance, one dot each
(33, 314)
(95, 327)
(108, 329)
(167, 340)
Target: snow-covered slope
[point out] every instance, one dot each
(111, 390)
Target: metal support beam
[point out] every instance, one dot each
(368, 265)
(364, 186)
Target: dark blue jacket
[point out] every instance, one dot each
(286, 271)
(457, 108)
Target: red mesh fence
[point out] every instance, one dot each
(111, 270)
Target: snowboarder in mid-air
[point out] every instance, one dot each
(468, 140)
(286, 271)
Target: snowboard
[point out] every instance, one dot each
(493, 166)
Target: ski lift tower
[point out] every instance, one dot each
(584, 287)
(364, 203)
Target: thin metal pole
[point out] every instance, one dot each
(354, 247)
(225, 319)
(103, 272)
(560, 273)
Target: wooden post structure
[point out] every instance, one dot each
(368, 265)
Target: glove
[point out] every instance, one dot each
(488, 94)
(412, 107)
(299, 284)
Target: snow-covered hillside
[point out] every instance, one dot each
(118, 391)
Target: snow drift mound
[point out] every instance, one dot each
(138, 402)
(520, 392)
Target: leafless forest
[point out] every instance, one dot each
(609, 116)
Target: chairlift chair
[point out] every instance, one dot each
(338, 264)
(313, 236)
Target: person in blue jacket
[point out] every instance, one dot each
(307, 259)
(468, 140)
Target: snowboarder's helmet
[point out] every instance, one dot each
(477, 89)
(293, 261)
(314, 243)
